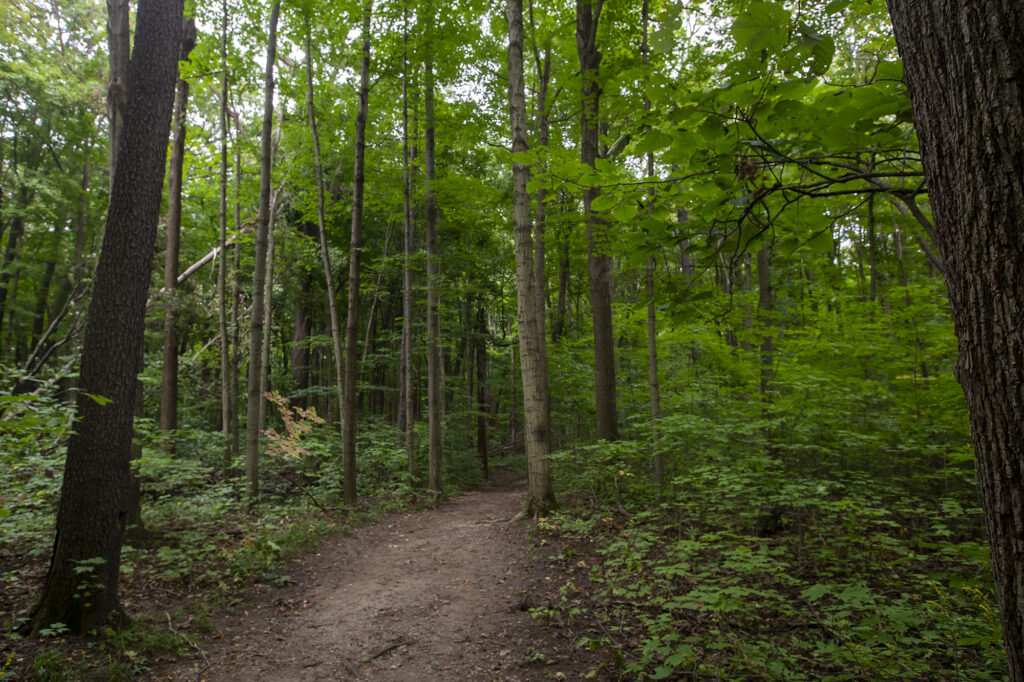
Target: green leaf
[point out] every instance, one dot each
(625, 211)
(526, 158)
(764, 26)
(654, 140)
(816, 592)
(100, 400)
(603, 202)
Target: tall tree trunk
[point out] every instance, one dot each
(254, 398)
(435, 395)
(599, 260)
(325, 256)
(80, 590)
(543, 66)
(268, 319)
(408, 247)
(652, 314)
(352, 321)
(764, 303)
(169, 370)
(234, 385)
(226, 368)
(963, 74)
(532, 343)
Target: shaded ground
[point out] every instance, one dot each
(440, 594)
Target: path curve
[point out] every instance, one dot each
(440, 594)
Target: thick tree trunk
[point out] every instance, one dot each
(599, 260)
(352, 321)
(118, 50)
(532, 348)
(435, 395)
(254, 398)
(966, 82)
(81, 587)
(169, 369)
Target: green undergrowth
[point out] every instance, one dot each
(201, 546)
(747, 569)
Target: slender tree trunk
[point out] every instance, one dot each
(254, 398)
(169, 383)
(564, 275)
(408, 247)
(481, 390)
(234, 385)
(764, 302)
(532, 346)
(652, 314)
(226, 368)
(352, 321)
(268, 319)
(599, 260)
(80, 590)
(963, 75)
(325, 256)
(435, 395)
(543, 65)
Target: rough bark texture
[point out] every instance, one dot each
(352, 321)
(118, 50)
(434, 394)
(169, 369)
(599, 260)
(254, 398)
(965, 78)
(94, 495)
(532, 348)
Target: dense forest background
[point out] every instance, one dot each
(785, 485)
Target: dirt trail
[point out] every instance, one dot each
(439, 594)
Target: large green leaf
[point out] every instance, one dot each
(764, 26)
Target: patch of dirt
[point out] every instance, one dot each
(440, 594)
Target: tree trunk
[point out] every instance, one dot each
(253, 398)
(481, 390)
(118, 49)
(169, 370)
(352, 321)
(652, 314)
(599, 260)
(963, 75)
(532, 348)
(434, 386)
(325, 256)
(80, 590)
(226, 368)
(268, 319)
(408, 248)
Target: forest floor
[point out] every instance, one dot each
(437, 594)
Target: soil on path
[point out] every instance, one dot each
(440, 594)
